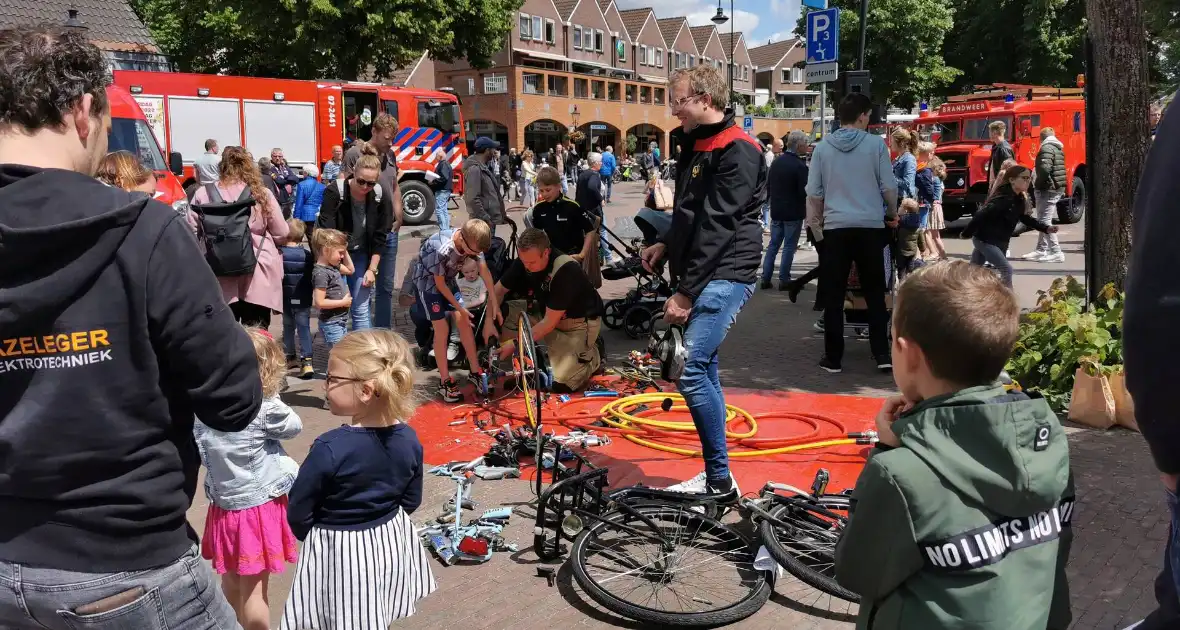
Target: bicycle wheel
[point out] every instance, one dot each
(707, 579)
(808, 550)
(530, 377)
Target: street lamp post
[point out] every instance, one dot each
(720, 19)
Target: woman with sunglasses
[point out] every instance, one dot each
(991, 228)
(357, 206)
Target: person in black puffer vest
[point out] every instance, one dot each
(297, 264)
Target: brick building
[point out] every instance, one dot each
(588, 66)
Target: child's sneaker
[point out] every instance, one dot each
(306, 371)
(449, 391)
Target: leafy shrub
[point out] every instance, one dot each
(1062, 334)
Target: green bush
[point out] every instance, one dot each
(1062, 334)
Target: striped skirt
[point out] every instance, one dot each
(358, 580)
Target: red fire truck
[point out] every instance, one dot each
(130, 131)
(960, 130)
(304, 118)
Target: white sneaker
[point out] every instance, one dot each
(696, 485)
(1033, 255)
(1059, 257)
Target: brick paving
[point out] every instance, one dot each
(1120, 520)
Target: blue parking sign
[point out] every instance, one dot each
(823, 36)
(747, 123)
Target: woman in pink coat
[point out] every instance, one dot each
(253, 297)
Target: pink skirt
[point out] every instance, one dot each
(251, 541)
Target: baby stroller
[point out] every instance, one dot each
(633, 312)
(856, 313)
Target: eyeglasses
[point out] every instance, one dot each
(331, 380)
(364, 183)
(680, 102)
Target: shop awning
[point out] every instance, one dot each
(653, 79)
(799, 92)
(541, 55)
(605, 66)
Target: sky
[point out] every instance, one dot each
(760, 20)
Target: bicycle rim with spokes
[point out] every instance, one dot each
(705, 577)
(530, 379)
(806, 546)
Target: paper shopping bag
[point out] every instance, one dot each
(1124, 407)
(1093, 401)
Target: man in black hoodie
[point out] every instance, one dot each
(1150, 338)
(113, 336)
(713, 250)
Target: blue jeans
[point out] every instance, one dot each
(713, 313)
(784, 234)
(385, 289)
(608, 180)
(361, 295)
(182, 595)
(297, 320)
(442, 212)
(765, 214)
(986, 252)
(333, 332)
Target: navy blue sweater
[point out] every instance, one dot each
(297, 264)
(357, 478)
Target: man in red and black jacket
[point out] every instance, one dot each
(713, 249)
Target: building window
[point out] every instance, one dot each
(578, 37)
(558, 86)
(581, 88)
(588, 39)
(598, 90)
(622, 52)
(644, 94)
(796, 75)
(745, 73)
(526, 26)
(549, 32)
(495, 84)
(786, 76)
(470, 86)
(642, 55)
(658, 58)
(612, 91)
(598, 41)
(659, 92)
(532, 83)
(538, 27)
(630, 92)
(692, 60)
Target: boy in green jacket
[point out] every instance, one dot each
(961, 517)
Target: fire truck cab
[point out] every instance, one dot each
(960, 131)
(306, 119)
(131, 132)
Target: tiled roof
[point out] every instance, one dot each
(670, 28)
(633, 19)
(397, 76)
(565, 8)
(701, 35)
(770, 54)
(109, 21)
(604, 4)
(725, 41)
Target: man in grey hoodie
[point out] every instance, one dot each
(481, 192)
(851, 197)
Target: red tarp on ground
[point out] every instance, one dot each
(631, 463)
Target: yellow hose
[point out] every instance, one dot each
(616, 414)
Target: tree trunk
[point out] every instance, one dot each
(1122, 138)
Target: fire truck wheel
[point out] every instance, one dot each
(417, 202)
(1070, 210)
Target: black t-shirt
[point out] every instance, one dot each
(570, 290)
(564, 222)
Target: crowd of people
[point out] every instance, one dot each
(168, 365)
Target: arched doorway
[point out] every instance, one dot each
(766, 137)
(597, 136)
(645, 134)
(542, 135)
(486, 128)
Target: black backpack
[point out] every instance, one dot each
(224, 230)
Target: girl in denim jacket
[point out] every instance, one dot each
(247, 478)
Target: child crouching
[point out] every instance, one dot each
(961, 517)
(352, 502)
(247, 478)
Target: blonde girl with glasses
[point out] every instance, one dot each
(362, 560)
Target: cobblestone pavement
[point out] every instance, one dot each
(1120, 520)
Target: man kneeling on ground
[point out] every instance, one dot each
(563, 308)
